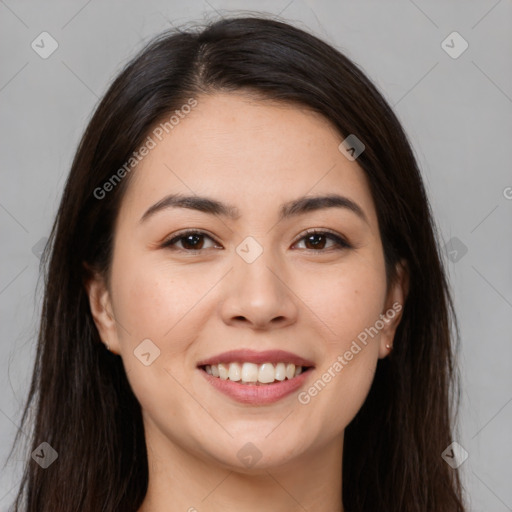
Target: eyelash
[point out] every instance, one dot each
(340, 243)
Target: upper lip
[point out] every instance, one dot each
(256, 357)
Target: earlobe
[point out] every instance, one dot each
(101, 310)
(393, 311)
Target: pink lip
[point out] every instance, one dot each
(257, 395)
(252, 356)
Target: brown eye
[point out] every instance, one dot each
(190, 241)
(317, 240)
(193, 242)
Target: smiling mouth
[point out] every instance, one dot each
(255, 374)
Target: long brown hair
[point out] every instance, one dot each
(83, 405)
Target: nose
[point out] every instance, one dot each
(258, 295)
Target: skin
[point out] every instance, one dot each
(314, 302)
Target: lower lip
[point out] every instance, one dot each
(257, 395)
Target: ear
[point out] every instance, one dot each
(101, 309)
(393, 309)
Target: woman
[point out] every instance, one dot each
(245, 305)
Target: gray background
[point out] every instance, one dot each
(456, 111)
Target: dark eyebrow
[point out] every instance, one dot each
(202, 204)
(311, 203)
(290, 209)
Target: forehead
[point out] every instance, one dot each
(250, 153)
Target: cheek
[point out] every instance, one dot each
(341, 399)
(160, 303)
(349, 303)
(163, 301)
(152, 299)
(347, 299)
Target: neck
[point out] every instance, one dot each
(312, 481)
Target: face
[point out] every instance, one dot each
(251, 286)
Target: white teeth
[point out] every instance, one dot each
(223, 371)
(266, 373)
(280, 371)
(247, 373)
(235, 372)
